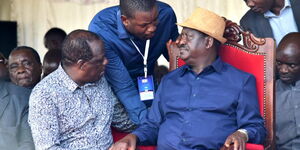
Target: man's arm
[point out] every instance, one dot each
(123, 86)
(25, 138)
(43, 122)
(120, 119)
(250, 123)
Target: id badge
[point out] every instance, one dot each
(146, 87)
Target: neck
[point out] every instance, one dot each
(202, 63)
(72, 72)
(277, 6)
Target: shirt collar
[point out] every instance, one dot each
(67, 81)
(122, 32)
(217, 66)
(269, 14)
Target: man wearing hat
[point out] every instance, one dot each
(206, 104)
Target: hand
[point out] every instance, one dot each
(238, 139)
(127, 143)
(172, 47)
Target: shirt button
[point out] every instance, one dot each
(197, 78)
(296, 106)
(194, 95)
(298, 125)
(183, 139)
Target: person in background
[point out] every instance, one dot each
(15, 133)
(206, 104)
(4, 75)
(272, 18)
(288, 93)
(54, 38)
(135, 35)
(74, 107)
(51, 62)
(24, 66)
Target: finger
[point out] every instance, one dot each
(236, 144)
(228, 142)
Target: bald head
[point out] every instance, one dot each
(77, 46)
(288, 58)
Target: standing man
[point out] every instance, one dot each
(74, 107)
(288, 93)
(125, 30)
(24, 66)
(272, 18)
(205, 104)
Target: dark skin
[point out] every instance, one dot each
(24, 70)
(3, 69)
(198, 51)
(89, 71)
(143, 23)
(287, 59)
(262, 6)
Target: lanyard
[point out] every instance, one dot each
(145, 57)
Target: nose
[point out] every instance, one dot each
(283, 68)
(151, 28)
(20, 69)
(105, 61)
(250, 3)
(181, 40)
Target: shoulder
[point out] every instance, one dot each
(103, 19)
(237, 75)
(165, 9)
(16, 93)
(250, 15)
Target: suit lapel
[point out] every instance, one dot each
(4, 99)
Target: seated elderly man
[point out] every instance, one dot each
(288, 93)
(15, 132)
(206, 104)
(74, 107)
(24, 66)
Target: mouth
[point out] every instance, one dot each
(148, 36)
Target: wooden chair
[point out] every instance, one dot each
(255, 56)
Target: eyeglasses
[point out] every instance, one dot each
(2, 61)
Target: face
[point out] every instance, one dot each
(94, 68)
(191, 45)
(288, 63)
(24, 70)
(260, 6)
(143, 24)
(3, 68)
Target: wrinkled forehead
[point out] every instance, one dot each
(21, 54)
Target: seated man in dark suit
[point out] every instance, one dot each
(15, 132)
(206, 104)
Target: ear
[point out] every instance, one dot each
(209, 41)
(124, 20)
(80, 65)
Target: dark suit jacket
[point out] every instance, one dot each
(15, 133)
(260, 26)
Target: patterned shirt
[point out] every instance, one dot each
(63, 115)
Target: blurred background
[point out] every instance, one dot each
(32, 18)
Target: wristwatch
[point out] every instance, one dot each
(244, 131)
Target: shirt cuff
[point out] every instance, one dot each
(244, 131)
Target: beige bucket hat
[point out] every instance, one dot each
(207, 22)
